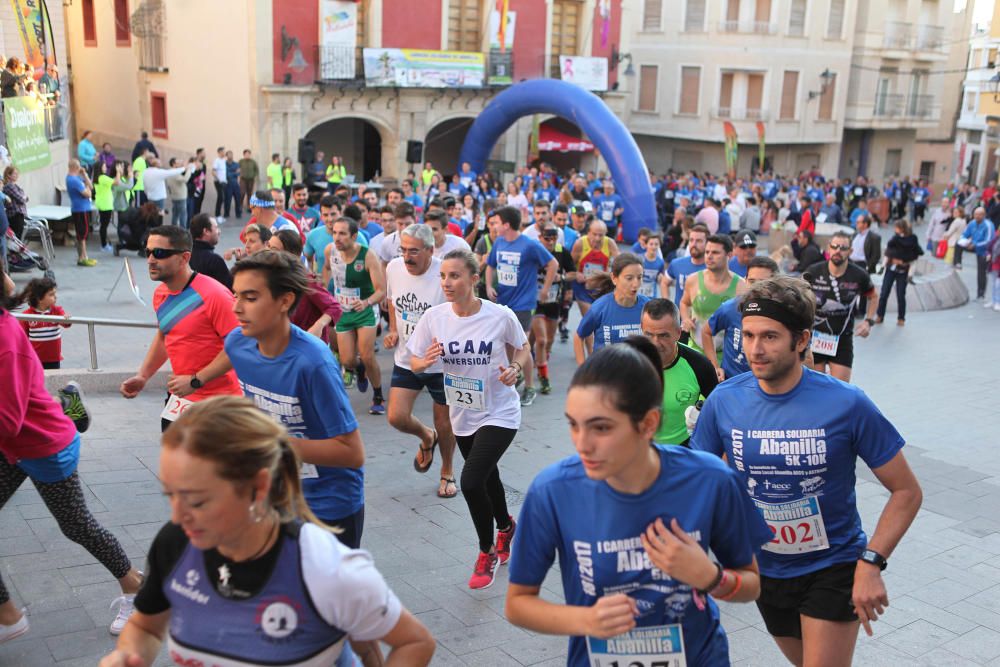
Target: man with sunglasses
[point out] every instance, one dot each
(839, 286)
(194, 314)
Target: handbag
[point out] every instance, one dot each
(942, 249)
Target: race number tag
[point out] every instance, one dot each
(669, 194)
(646, 289)
(658, 646)
(821, 218)
(463, 392)
(797, 526)
(824, 343)
(553, 294)
(858, 192)
(591, 268)
(308, 471)
(409, 319)
(348, 296)
(175, 408)
(507, 275)
(919, 199)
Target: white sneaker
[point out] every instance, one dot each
(996, 307)
(126, 605)
(219, 220)
(987, 305)
(8, 632)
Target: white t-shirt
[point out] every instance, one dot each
(389, 248)
(474, 349)
(219, 169)
(411, 296)
(532, 233)
(451, 242)
(375, 242)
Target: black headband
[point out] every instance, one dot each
(774, 310)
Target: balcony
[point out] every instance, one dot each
(339, 63)
(897, 35)
(920, 107)
(930, 38)
(736, 113)
(893, 111)
(749, 27)
(889, 106)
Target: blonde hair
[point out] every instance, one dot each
(240, 440)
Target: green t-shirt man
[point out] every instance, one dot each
(275, 178)
(688, 379)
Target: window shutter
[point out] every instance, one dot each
(835, 25)
(652, 12)
(789, 86)
(647, 87)
(690, 89)
(826, 100)
(694, 17)
(797, 19)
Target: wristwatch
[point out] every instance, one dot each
(870, 321)
(198, 384)
(874, 558)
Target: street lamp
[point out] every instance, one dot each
(825, 79)
(994, 87)
(616, 59)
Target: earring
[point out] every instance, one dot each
(253, 513)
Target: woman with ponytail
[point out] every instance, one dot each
(617, 310)
(244, 573)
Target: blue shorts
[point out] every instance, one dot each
(54, 468)
(581, 293)
(404, 378)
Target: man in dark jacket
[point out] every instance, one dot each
(143, 145)
(205, 232)
(866, 251)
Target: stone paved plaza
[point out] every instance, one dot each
(936, 379)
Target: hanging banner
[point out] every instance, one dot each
(415, 68)
(32, 30)
(731, 148)
(26, 141)
(338, 37)
(760, 146)
(604, 10)
(502, 32)
(586, 72)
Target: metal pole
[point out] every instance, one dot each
(92, 338)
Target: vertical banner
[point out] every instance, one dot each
(26, 140)
(760, 146)
(31, 27)
(338, 37)
(533, 139)
(731, 148)
(501, 31)
(502, 24)
(604, 9)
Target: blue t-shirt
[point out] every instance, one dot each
(302, 389)
(371, 231)
(736, 267)
(595, 532)
(605, 207)
(796, 453)
(611, 323)
(725, 222)
(679, 270)
(729, 319)
(75, 188)
(416, 200)
(517, 265)
(571, 236)
(651, 272)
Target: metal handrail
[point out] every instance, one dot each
(92, 323)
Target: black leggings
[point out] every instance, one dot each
(480, 482)
(66, 503)
(105, 218)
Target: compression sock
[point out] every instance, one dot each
(543, 371)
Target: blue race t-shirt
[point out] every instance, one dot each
(370, 231)
(74, 188)
(595, 531)
(571, 236)
(796, 453)
(728, 318)
(611, 323)
(605, 207)
(679, 270)
(517, 264)
(651, 272)
(302, 389)
(737, 268)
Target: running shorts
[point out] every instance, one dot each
(404, 378)
(824, 594)
(351, 320)
(524, 317)
(845, 353)
(81, 224)
(549, 311)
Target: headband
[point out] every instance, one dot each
(774, 310)
(261, 203)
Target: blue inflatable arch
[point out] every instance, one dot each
(587, 111)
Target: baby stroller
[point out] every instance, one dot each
(21, 259)
(132, 230)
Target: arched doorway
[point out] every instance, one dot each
(561, 145)
(443, 144)
(355, 140)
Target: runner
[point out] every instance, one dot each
(654, 274)
(515, 261)
(413, 285)
(727, 320)
(354, 276)
(317, 309)
(593, 253)
(483, 348)
(547, 310)
(320, 238)
(444, 241)
(679, 269)
(745, 250)
(794, 436)
(389, 247)
(632, 525)
(838, 285)
(307, 216)
(244, 573)
(706, 290)
(194, 314)
(688, 376)
(615, 315)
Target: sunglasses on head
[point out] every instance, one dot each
(161, 253)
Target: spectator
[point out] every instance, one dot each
(900, 252)
(233, 185)
(86, 152)
(275, 175)
(317, 171)
(939, 224)
(80, 189)
(45, 337)
(156, 181)
(121, 189)
(995, 269)
(16, 204)
(750, 218)
(287, 178)
(204, 259)
(830, 211)
(48, 84)
(177, 190)
(978, 238)
(249, 170)
(104, 201)
(107, 156)
(219, 171)
(805, 250)
(955, 230)
(336, 173)
(144, 145)
(196, 184)
(11, 79)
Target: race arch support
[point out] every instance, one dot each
(588, 112)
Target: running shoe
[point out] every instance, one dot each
(71, 397)
(219, 220)
(348, 379)
(484, 573)
(107, 249)
(362, 379)
(529, 396)
(8, 632)
(504, 539)
(126, 605)
(86, 262)
(546, 387)
(563, 332)
(996, 307)
(377, 408)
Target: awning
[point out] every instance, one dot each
(551, 139)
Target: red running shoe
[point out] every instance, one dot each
(485, 572)
(504, 538)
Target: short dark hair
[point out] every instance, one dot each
(700, 227)
(792, 293)
(404, 209)
(398, 191)
(763, 262)
(290, 241)
(560, 208)
(724, 240)
(353, 211)
(179, 238)
(352, 224)
(437, 216)
(660, 308)
(329, 201)
(200, 224)
(508, 215)
(299, 186)
(629, 372)
(284, 273)
(264, 233)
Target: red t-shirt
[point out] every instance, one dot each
(807, 223)
(194, 323)
(45, 337)
(32, 423)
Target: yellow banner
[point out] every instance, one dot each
(31, 27)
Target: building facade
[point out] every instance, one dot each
(977, 140)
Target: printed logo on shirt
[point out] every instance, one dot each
(811, 484)
(278, 619)
(283, 409)
(483, 352)
(190, 590)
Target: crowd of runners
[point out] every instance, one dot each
(715, 430)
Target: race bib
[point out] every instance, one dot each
(646, 289)
(348, 296)
(824, 343)
(669, 194)
(797, 526)
(463, 392)
(858, 192)
(821, 218)
(175, 408)
(919, 199)
(607, 216)
(409, 321)
(590, 269)
(507, 275)
(308, 471)
(553, 294)
(657, 646)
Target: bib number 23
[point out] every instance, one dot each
(463, 392)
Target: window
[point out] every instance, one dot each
(123, 35)
(565, 31)
(835, 24)
(652, 15)
(733, 11)
(464, 21)
(991, 57)
(158, 112)
(789, 94)
(755, 95)
(89, 23)
(741, 95)
(762, 14)
(893, 162)
(927, 171)
(694, 16)
(970, 101)
(826, 99)
(797, 19)
(690, 90)
(726, 94)
(648, 75)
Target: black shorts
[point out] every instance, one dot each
(404, 378)
(824, 594)
(351, 528)
(81, 224)
(845, 352)
(524, 318)
(549, 311)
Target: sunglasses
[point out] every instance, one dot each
(161, 253)
(834, 246)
